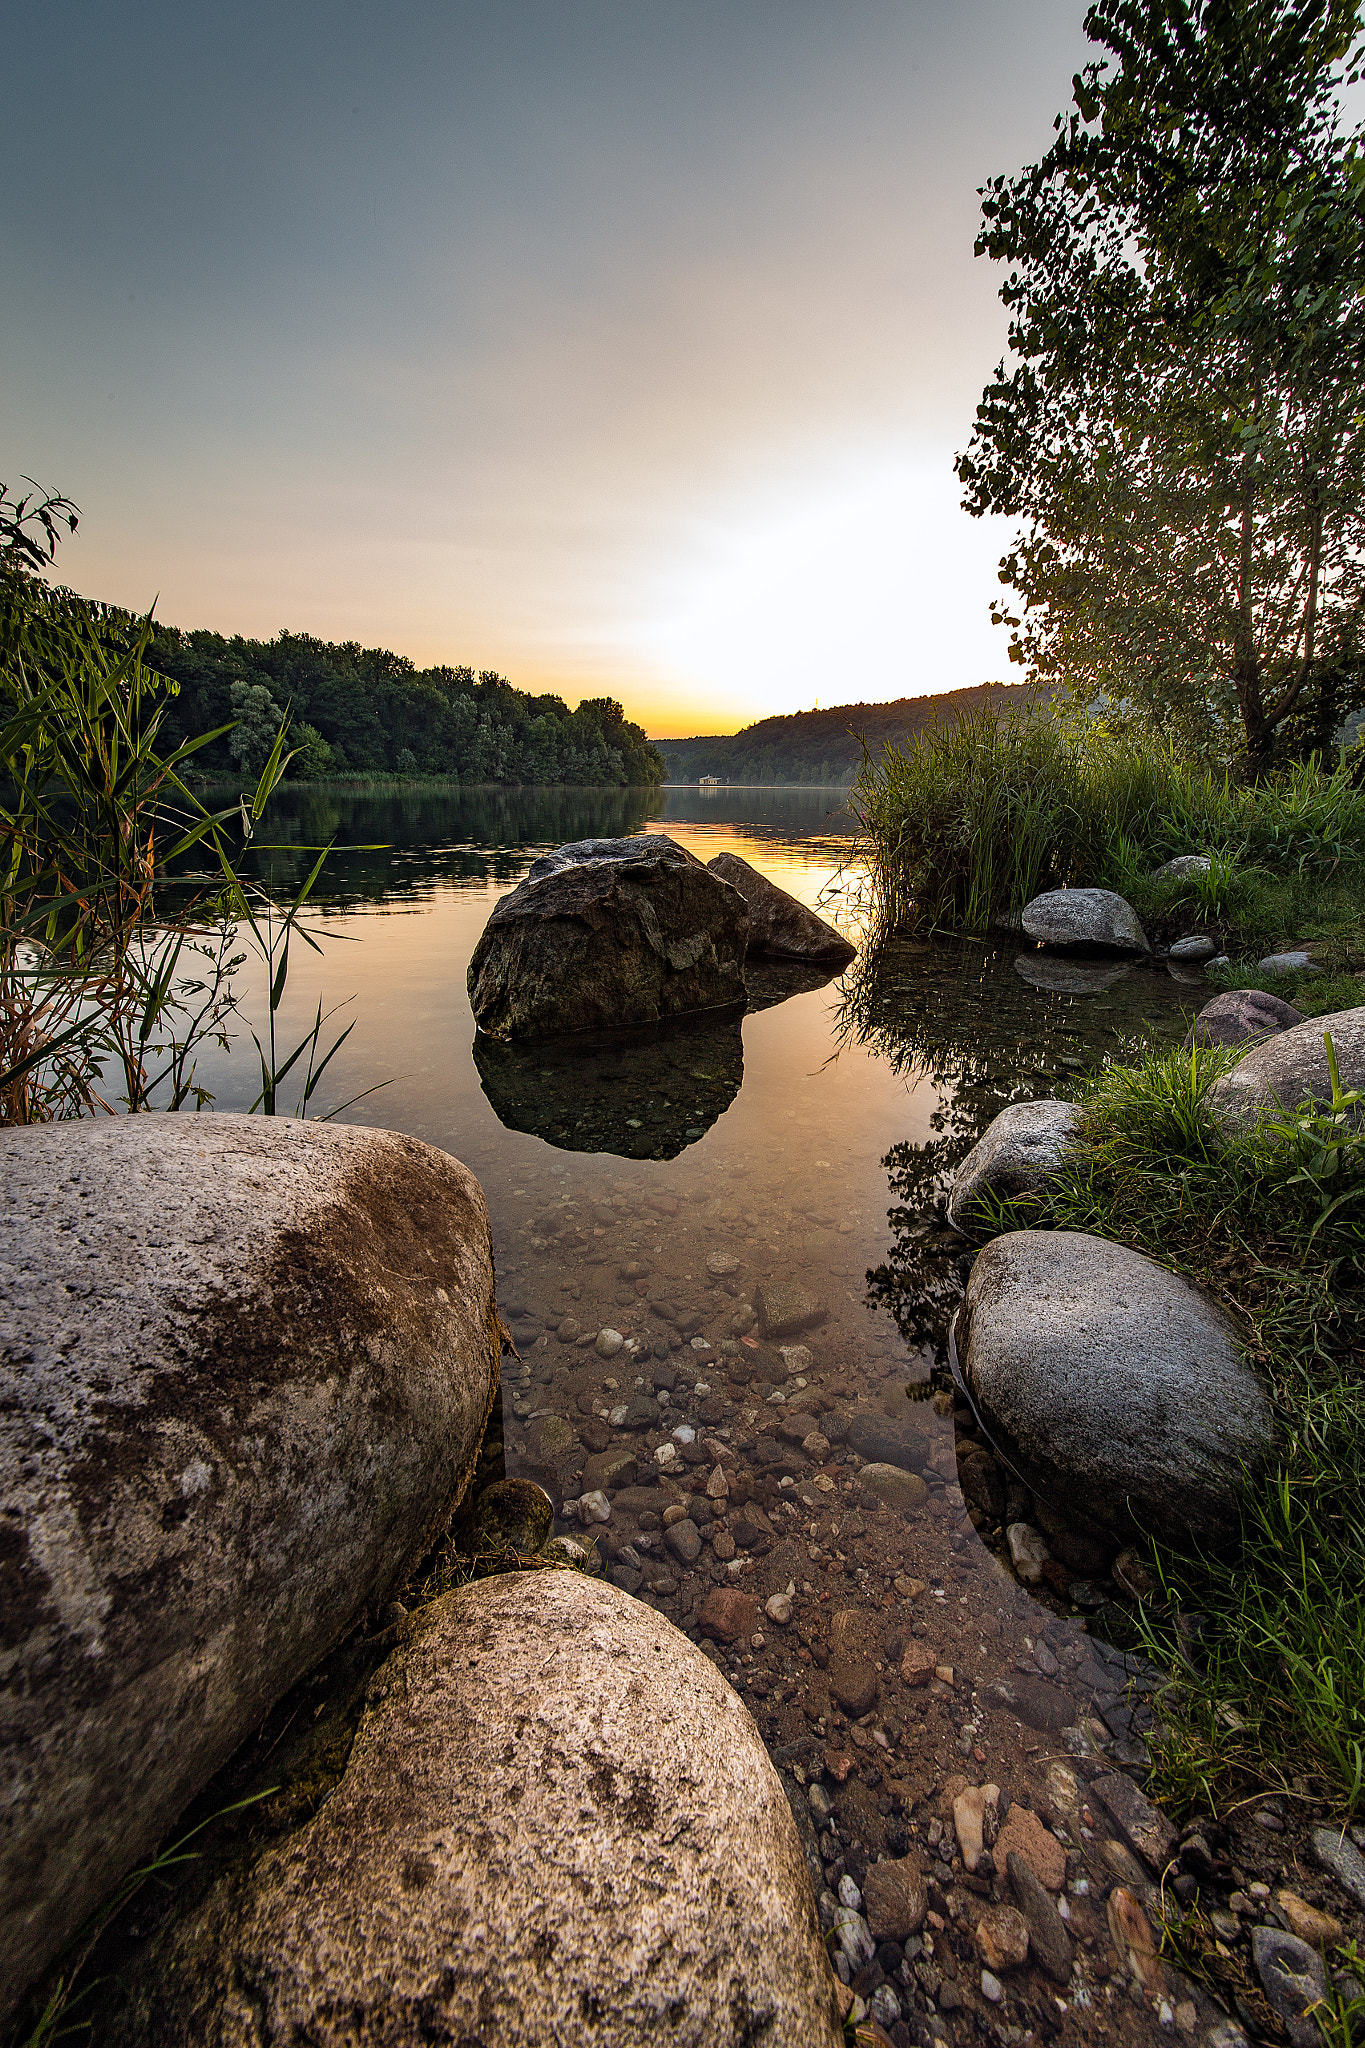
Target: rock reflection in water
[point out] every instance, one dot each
(638, 1094)
(772, 981)
(986, 1027)
(1057, 975)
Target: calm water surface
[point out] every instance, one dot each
(801, 1148)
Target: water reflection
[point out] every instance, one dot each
(641, 1094)
(969, 1019)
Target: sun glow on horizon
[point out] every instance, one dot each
(860, 580)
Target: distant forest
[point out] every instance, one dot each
(364, 711)
(821, 746)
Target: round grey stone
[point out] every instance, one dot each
(1015, 1155)
(557, 1823)
(1194, 947)
(1239, 1015)
(1114, 1388)
(1292, 1068)
(1183, 865)
(1293, 1977)
(1085, 917)
(245, 1365)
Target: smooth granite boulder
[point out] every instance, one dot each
(779, 926)
(1292, 1068)
(1116, 1390)
(557, 1824)
(1239, 1015)
(245, 1364)
(1085, 917)
(608, 932)
(1016, 1154)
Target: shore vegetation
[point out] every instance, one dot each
(1265, 1647)
(975, 816)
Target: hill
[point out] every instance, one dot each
(821, 746)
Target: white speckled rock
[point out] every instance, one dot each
(1114, 1388)
(1085, 917)
(1183, 865)
(557, 1824)
(1015, 1155)
(244, 1367)
(1291, 1068)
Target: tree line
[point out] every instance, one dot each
(366, 711)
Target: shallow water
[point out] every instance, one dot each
(661, 1187)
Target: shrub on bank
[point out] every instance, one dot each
(969, 820)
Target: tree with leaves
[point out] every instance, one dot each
(1178, 429)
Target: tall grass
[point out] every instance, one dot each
(972, 818)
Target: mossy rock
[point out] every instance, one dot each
(513, 1514)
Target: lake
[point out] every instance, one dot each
(651, 1187)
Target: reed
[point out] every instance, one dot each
(971, 818)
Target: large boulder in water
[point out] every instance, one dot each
(1085, 917)
(1292, 1068)
(1019, 1149)
(245, 1365)
(780, 927)
(1116, 1390)
(1239, 1016)
(557, 1824)
(606, 932)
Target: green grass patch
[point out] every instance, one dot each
(970, 819)
(1266, 1647)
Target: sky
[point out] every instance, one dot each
(621, 346)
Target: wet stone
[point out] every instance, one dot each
(684, 1540)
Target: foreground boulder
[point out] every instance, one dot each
(557, 1823)
(245, 1365)
(1115, 1389)
(1015, 1155)
(779, 926)
(606, 932)
(1239, 1015)
(1292, 1068)
(1085, 917)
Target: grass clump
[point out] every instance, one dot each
(1266, 1646)
(970, 819)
